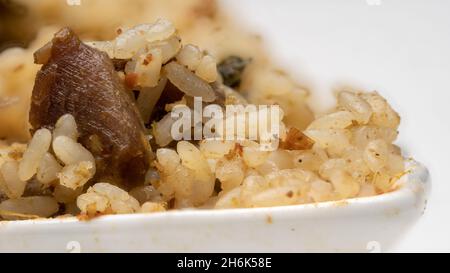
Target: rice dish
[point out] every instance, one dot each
(87, 115)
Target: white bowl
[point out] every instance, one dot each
(359, 224)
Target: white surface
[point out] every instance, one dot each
(400, 48)
(362, 224)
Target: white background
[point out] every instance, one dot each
(399, 48)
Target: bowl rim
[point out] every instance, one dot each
(412, 186)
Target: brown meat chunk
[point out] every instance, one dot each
(82, 81)
(296, 140)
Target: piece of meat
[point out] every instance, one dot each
(296, 140)
(82, 81)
